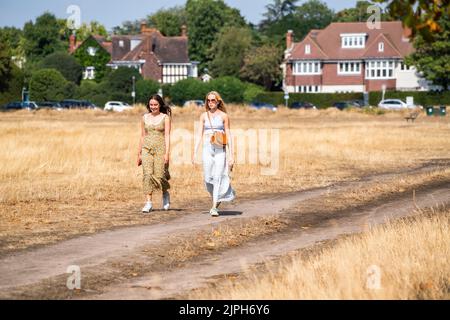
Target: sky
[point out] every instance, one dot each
(112, 13)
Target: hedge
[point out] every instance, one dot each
(324, 100)
(423, 98)
(320, 100)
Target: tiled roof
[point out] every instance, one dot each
(165, 49)
(329, 41)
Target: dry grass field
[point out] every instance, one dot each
(406, 259)
(74, 172)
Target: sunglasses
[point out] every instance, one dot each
(212, 100)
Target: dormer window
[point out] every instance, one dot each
(381, 47)
(92, 51)
(307, 49)
(353, 40)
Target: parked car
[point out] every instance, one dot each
(302, 105)
(393, 104)
(197, 103)
(357, 103)
(117, 106)
(21, 105)
(50, 105)
(342, 105)
(77, 104)
(262, 105)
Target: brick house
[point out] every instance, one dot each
(350, 57)
(163, 59)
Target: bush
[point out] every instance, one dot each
(145, 89)
(320, 100)
(64, 63)
(13, 90)
(48, 85)
(188, 89)
(251, 92)
(231, 89)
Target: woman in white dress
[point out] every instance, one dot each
(216, 162)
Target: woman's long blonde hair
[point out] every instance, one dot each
(220, 103)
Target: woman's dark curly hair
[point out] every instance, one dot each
(163, 107)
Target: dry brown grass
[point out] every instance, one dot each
(74, 172)
(411, 256)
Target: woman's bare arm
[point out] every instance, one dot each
(141, 140)
(168, 128)
(227, 124)
(199, 137)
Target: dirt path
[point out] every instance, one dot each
(30, 267)
(198, 274)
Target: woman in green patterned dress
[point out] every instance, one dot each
(154, 151)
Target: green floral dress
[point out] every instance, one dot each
(155, 173)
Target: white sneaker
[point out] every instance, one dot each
(166, 201)
(148, 207)
(214, 212)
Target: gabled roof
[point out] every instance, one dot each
(316, 50)
(390, 51)
(107, 45)
(329, 41)
(165, 49)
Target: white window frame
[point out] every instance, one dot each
(307, 49)
(380, 46)
(308, 89)
(89, 73)
(380, 69)
(92, 51)
(404, 67)
(353, 40)
(349, 67)
(312, 67)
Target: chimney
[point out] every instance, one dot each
(72, 42)
(289, 38)
(143, 26)
(407, 33)
(183, 30)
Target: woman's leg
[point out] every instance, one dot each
(148, 171)
(218, 170)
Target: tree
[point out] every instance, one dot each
(128, 28)
(13, 89)
(358, 14)
(64, 63)
(313, 14)
(421, 16)
(262, 66)
(205, 20)
(93, 28)
(42, 37)
(168, 21)
(11, 37)
(284, 15)
(277, 11)
(48, 85)
(119, 83)
(229, 51)
(433, 59)
(5, 67)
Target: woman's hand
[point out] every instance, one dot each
(166, 159)
(231, 163)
